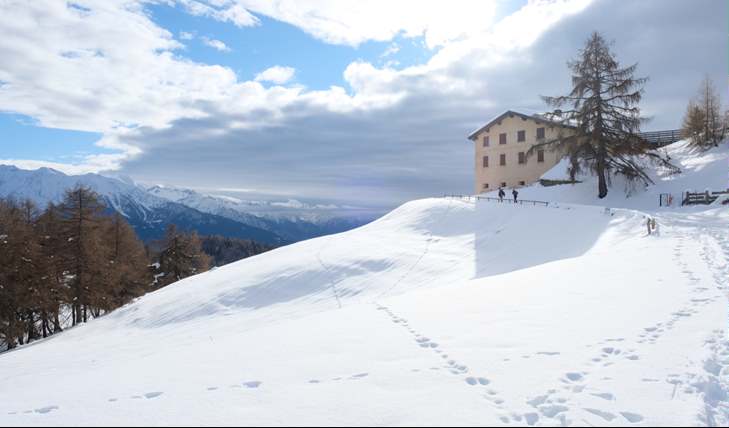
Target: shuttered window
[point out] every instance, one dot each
(540, 133)
(522, 158)
(485, 161)
(502, 138)
(486, 141)
(520, 136)
(540, 155)
(502, 159)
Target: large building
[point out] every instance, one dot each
(501, 150)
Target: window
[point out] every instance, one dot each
(485, 186)
(540, 133)
(485, 161)
(522, 158)
(522, 183)
(486, 141)
(503, 184)
(502, 138)
(540, 155)
(521, 136)
(502, 159)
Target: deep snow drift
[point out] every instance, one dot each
(442, 312)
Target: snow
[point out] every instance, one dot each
(443, 312)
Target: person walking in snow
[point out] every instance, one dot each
(648, 225)
(501, 194)
(516, 194)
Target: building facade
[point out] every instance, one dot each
(501, 148)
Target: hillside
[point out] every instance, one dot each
(442, 312)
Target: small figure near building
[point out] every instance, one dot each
(516, 194)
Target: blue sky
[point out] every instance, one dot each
(21, 137)
(382, 97)
(318, 65)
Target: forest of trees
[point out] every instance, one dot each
(224, 250)
(73, 262)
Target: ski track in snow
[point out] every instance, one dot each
(333, 282)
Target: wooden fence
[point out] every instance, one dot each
(662, 138)
(502, 201)
(703, 198)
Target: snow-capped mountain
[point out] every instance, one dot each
(292, 219)
(151, 209)
(147, 213)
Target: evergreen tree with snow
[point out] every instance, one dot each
(602, 108)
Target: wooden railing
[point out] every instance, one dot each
(706, 198)
(503, 201)
(662, 138)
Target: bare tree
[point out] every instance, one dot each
(703, 125)
(604, 118)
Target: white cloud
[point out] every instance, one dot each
(215, 44)
(276, 74)
(221, 10)
(184, 35)
(352, 22)
(391, 50)
(391, 134)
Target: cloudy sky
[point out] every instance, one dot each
(362, 101)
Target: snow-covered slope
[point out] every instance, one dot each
(443, 312)
(700, 171)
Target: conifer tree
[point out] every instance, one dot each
(126, 273)
(55, 292)
(181, 256)
(703, 123)
(602, 110)
(18, 273)
(84, 252)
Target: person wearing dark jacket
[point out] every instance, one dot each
(501, 194)
(515, 193)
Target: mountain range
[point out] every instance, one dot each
(149, 209)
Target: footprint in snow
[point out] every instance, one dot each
(252, 384)
(359, 376)
(632, 417)
(607, 416)
(473, 381)
(151, 395)
(574, 377)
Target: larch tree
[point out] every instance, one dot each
(126, 274)
(181, 256)
(55, 291)
(84, 249)
(603, 114)
(703, 124)
(19, 278)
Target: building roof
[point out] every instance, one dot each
(535, 117)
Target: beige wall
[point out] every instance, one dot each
(513, 173)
